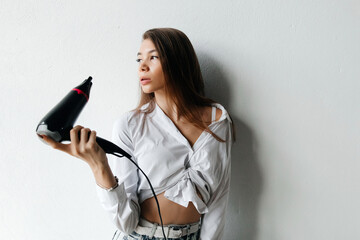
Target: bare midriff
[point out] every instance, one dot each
(171, 212)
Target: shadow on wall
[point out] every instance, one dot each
(246, 178)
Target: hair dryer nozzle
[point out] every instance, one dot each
(84, 88)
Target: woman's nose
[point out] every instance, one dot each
(143, 67)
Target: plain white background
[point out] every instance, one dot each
(288, 72)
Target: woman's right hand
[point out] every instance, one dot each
(85, 147)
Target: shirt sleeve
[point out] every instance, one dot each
(213, 222)
(121, 203)
(215, 170)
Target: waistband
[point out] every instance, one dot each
(171, 231)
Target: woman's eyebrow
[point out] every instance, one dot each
(154, 50)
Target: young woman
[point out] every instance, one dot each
(182, 141)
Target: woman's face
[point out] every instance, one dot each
(150, 72)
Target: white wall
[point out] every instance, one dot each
(288, 71)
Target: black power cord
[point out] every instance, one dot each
(152, 189)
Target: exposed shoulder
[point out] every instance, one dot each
(221, 113)
(208, 114)
(218, 114)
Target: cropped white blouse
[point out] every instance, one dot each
(173, 167)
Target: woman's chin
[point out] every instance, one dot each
(147, 91)
(152, 89)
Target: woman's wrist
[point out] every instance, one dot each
(111, 188)
(99, 166)
(98, 163)
(103, 176)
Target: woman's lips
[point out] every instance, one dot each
(145, 81)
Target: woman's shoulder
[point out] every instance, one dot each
(132, 117)
(223, 121)
(126, 118)
(221, 112)
(214, 113)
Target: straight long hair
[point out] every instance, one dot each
(184, 85)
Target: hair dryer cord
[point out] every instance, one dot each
(152, 189)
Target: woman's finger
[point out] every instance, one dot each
(84, 137)
(74, 134)
(92, 138)
(56, 145)
(48, 140)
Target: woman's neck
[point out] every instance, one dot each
(167, 106)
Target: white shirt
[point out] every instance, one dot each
(173, 167)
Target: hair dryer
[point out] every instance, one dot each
(61, 118)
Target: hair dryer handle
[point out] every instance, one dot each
(110, 147)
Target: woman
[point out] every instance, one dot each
(182, 141)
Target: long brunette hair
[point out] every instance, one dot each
(184, 83)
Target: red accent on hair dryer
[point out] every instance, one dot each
(81, 92)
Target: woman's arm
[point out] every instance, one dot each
(121, 204)
(123, 210)
(213, 223)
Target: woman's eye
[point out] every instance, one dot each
(152, 57)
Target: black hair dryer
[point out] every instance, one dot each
(60, 120)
